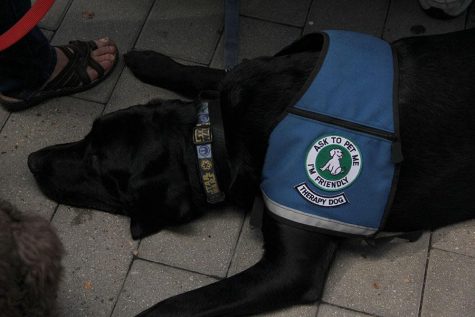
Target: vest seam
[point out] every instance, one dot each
(306, 108)
(345, 224)
(362, 133)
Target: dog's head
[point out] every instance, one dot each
(336, 153)
(134, 162)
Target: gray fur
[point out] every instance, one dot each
(30, 264)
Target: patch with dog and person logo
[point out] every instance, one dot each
(333, 163)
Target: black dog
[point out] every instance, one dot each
(141, 161)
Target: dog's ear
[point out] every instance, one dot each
(158, 201)
(146, 223)
(158, 192)
(332, 152)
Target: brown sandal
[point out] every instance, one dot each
(72, 79)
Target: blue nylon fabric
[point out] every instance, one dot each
(285, 168)
(356, 66)
(363, 90)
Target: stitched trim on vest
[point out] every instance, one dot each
(312, 220)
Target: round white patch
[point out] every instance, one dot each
(333, 162)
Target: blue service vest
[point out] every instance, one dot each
(329, 162)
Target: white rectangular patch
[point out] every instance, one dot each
(320, 200)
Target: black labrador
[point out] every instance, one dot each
(141, 161)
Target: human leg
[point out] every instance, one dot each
(29, 62)
(32, 71)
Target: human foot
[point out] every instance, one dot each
(104, 55)
(444, 9)
(80, 66)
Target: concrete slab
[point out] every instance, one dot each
(120, 20)
(249, 248)
(184, 29)
(325, 310)
(459, 238)
(385, 281)
(205, 246)
(295, 311)
(258, 38)
(450, 285)
(280, 11)
(57, 121)
(99, 253)
(55, 15)
(3, 117)
(406, 18)
(130, 91)
(367, 16)
(149, 283)
(48, 34)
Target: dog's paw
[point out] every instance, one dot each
(141, 229)
(149, 66)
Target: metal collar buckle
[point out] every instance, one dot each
(202, 134)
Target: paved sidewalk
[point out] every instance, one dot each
(108, 274)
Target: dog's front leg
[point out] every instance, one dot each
(162, 71)
(292, 271)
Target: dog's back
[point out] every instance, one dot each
(437, 119)
(436, 96)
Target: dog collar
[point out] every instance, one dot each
(203, 141)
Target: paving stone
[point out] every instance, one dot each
(385, 280)
(205, 246)
(120, 20)
(325, 310)
(406, 18)
(130, 91)
(365, 16)
(148, 283)
(48, 34)
(450, 285)
(459, 238)
(184, 29)
(280, 11)
(258, 38)
(55, 15)
(3, 117)
(99, 253)
(295, 311)
(57, 121)
(249, 249)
